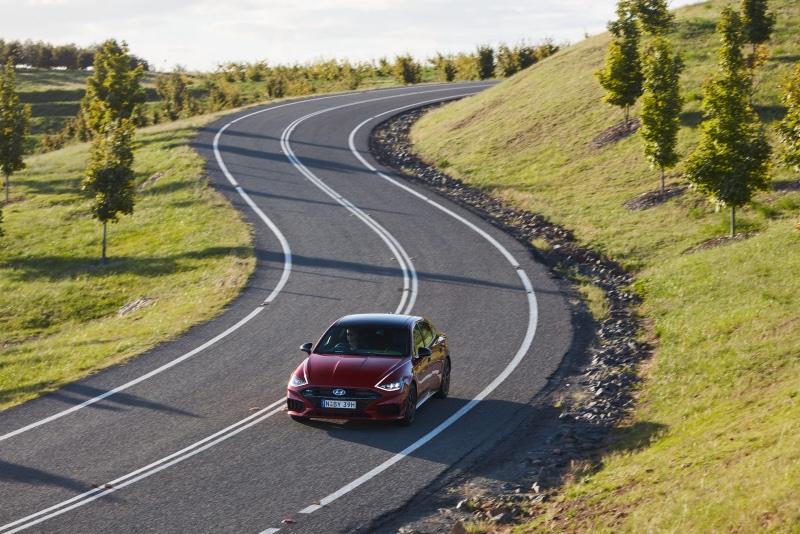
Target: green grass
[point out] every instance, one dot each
(55, 97)
(184, 247)
(715, 442)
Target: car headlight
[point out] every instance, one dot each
(393, 385)
(297, 381)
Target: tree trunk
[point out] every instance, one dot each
(733, 222)
(105, 233)
(662, 181)
(627, 115)
(8, 186)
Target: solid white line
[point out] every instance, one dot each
(144, 472)
(512, 365)
(409, 294)
(270, 531)
(199, 446)
(282, 281)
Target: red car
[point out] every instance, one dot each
(371, 366)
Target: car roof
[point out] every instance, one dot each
(387, 319)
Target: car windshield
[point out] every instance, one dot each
(365, 340)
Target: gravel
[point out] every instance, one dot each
(594, 399)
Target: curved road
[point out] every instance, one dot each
(192, 436)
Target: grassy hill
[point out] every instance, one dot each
(724, 386)
(177, 261)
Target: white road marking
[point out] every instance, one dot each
(205, 443)
(509, 369)
(284, 276)
(143, 472)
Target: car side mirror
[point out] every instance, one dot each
(306, 347)
(424, 352)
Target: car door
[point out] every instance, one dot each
(422, 366)
(438, 353)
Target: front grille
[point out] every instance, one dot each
(350, 393)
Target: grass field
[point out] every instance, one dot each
(184, 252)
(715, 442)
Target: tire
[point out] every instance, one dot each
(444, 387)
(411, 406)
(299, 419)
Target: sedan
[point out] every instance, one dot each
(373, 367)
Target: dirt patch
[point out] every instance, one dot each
(135, 305)
(587, 398)
(718, 241)
(652, 199)
(615, 133)
(151, 181)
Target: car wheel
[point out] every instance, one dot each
(411, 406)
(444, 387)
(299, 419)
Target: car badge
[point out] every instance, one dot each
(339, 392)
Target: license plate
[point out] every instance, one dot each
(343, 404)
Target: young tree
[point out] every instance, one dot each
(732, 159)
(109, 175)
(621, 76)
(173, 88)
(444, 67)
(406, 70)
(485, 62)
(661, 104)
(113, 91)
(508, 62)
(14, 122)
(654, 16)
(789, 128)
(758, 23)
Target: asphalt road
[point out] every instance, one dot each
(188, 440)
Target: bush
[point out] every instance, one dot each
(406, 70)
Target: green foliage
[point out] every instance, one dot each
(467, 67)
(508, 62)
(485, 62)
(789, 128)
(621, 76)
(113, 91)
(732, 159)
(406, 70)
(444, 67)
(14, 125)
(758, 22)
(223, 94)
(109, 175)
(654, 16)
(177, 101)
(661, 104)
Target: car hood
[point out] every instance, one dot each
(346, 370)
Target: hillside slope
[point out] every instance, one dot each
(724, 388)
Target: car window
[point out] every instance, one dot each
(364, 340)
(419, 339)
(428, 334)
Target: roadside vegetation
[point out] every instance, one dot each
(177, 262)
(111, 145)
(66, 307)
(52, 80)
(714, 444)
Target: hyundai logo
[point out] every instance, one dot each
(339, 392)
